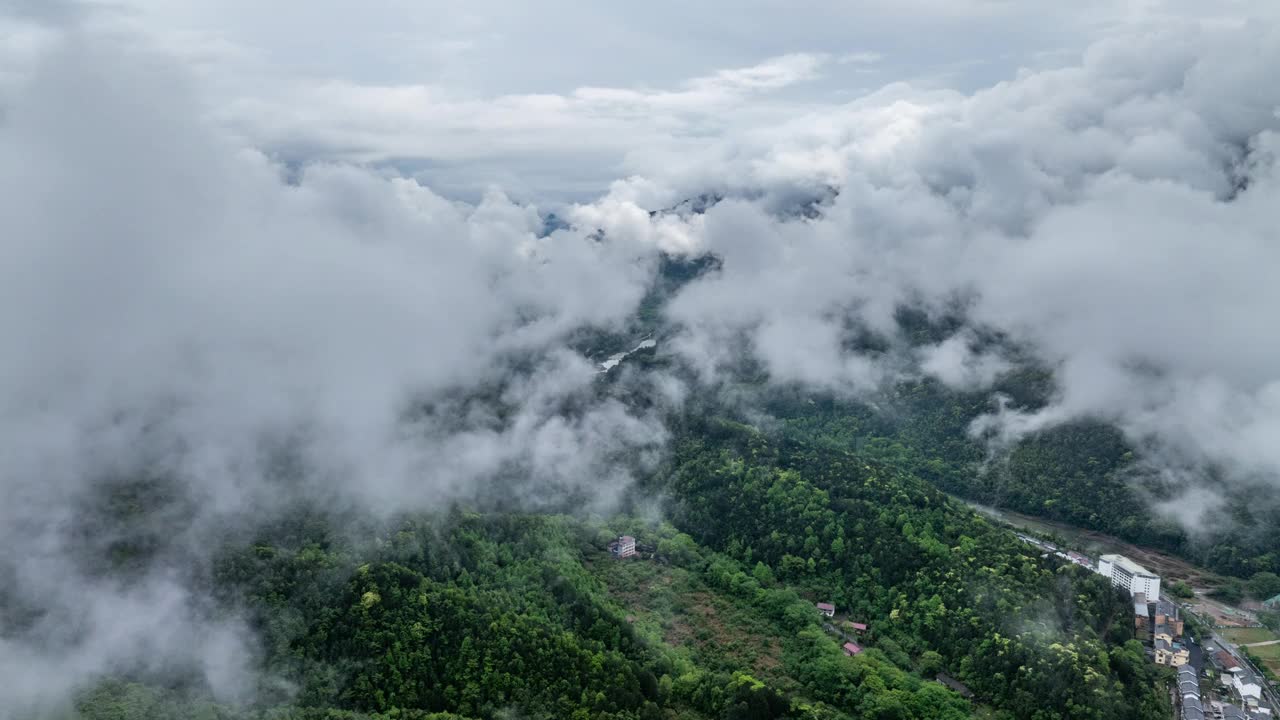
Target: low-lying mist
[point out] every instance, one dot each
(194, 328)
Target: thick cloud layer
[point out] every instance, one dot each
(174, 309)
(182, 309)
(1119, 216)
(559, 99)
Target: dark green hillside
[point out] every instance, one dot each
(1033, 637)
(501, 615)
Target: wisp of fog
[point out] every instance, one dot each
(179, 305)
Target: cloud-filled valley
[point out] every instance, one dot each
(179, 303)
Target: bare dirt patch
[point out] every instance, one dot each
(688, 615)
(1223, 615)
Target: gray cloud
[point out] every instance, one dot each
(956, 362)
(186, 309)
(179, 314)
(1117, 216)
(474, 96)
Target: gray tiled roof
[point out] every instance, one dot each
(1231, 712)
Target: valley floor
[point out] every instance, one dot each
(1224, 616)
(1096, 543)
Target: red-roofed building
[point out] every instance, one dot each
(827, 609)
(851, 649)
(860, 627)
(1225, 660)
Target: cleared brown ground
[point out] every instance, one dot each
(691, 616)
(1223, 615)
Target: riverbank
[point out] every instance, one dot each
(1095, 543)
(1234, 624)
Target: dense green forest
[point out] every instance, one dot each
(1029, 635)
(770, 498)
(494, 615)
(1084, 473)
(502, 616)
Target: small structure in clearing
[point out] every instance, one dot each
(623, 547)
(954, 684)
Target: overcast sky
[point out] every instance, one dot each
(555, 99)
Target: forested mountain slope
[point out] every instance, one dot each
(513, 615)
(773, 496)
(1025, 634)
(1084, 472)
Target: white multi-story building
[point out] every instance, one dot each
(1129, 575)
(623, 547)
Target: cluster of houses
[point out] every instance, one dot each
(1194, 707)
(1161, 622)
(1156, 620)
(1189, 694)
(848, 630)
(1070, 556)
(1164, 623)
(1160, 617)
(1238, 681)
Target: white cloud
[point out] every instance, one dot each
(171, 291)
(178, 305)
(556, 101)
(955, 362)
(1095, 212)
